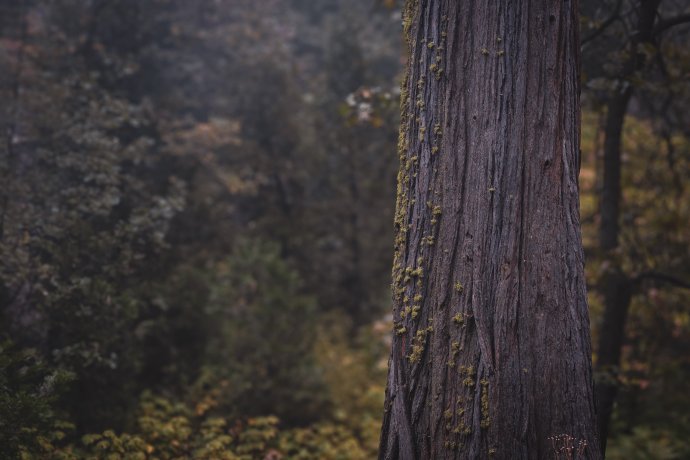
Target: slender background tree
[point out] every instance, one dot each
(640, 39)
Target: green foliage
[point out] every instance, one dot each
(173, 328)
(179, 233)
(257, 436)
(166, 424)
(263, 347)
(109, 446)
(322, 441)
(355, 377)
(171, 431)
(91, 220)
(646, 443)
(29, 388)
(214, 441)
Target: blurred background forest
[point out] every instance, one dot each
(196, 203)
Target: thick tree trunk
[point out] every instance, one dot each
(491, 353)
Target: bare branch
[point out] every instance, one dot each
(668, 23)
(670, 279)
(604, 25)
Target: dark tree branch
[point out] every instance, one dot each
(604, 25)
(663, 277)
(668, 23)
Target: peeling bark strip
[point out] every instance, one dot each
(491, 352)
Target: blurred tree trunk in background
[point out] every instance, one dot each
(491, 355)
(617, 286)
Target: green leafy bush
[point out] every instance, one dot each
(645, 443)
(29, 420)
(262, 349)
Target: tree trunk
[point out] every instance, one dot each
(491, 353)
(616, 288)
(611, 188)
(615, 284)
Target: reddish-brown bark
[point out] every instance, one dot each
(491, 353)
